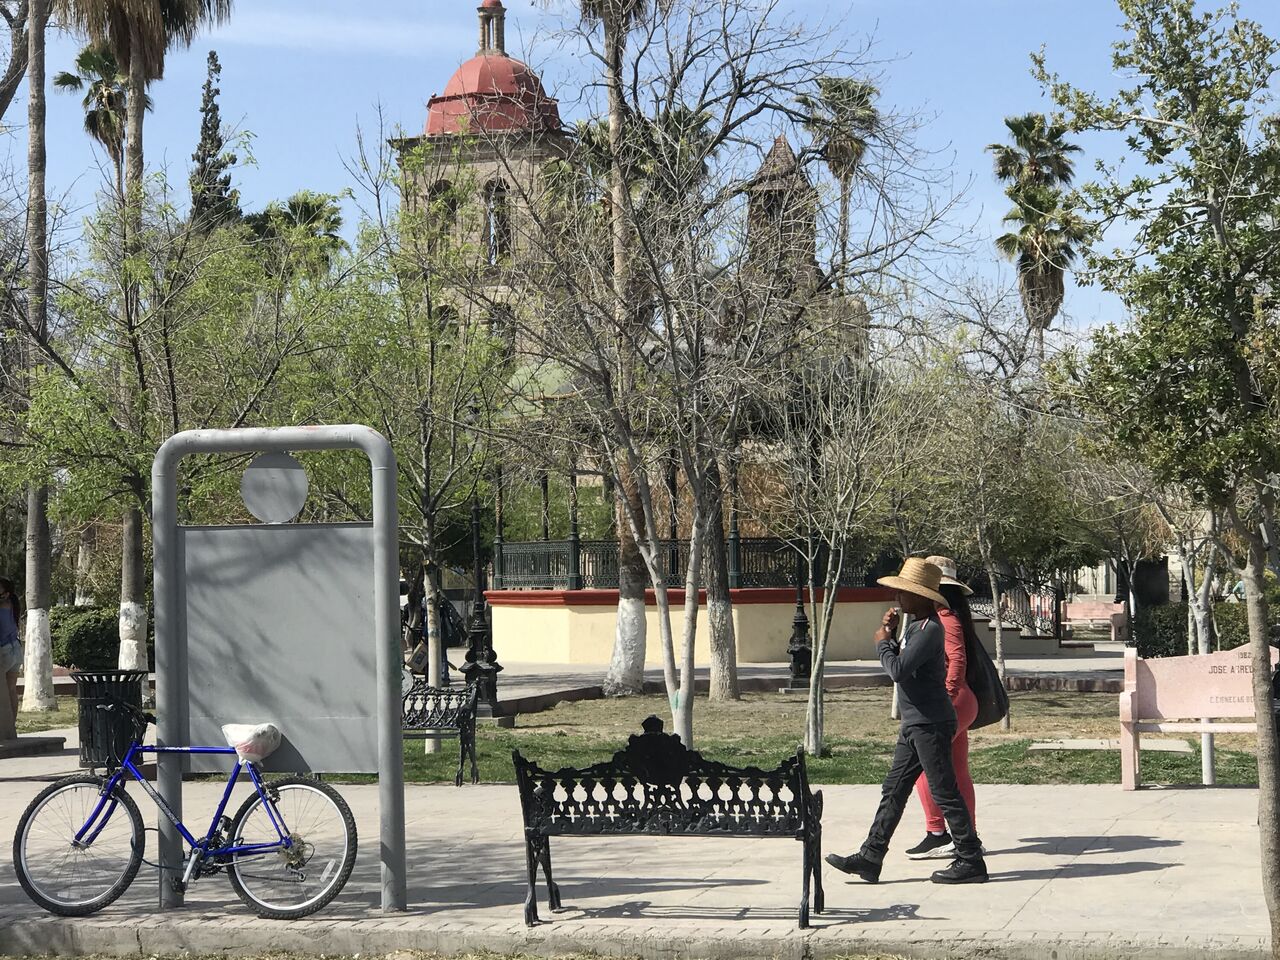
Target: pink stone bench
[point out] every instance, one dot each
(1183, 695)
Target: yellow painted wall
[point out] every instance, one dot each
(584, 633)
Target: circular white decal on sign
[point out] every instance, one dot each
(274, 487)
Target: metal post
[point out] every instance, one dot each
(497, 530)
(575, 545)
(673, 528)
(481, 666)
(735, 540)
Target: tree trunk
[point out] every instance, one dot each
(37, 668)
(626, 669)
(38, 662)
(842, 241)
(815, 713)
(135, 109)
(723, 641)
(85, 548)
(683, 713)
(1268, 738)
(133, 597)
(625, 676)
(1005, 723)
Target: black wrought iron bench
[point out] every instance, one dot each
(443, 713)
(658, 786)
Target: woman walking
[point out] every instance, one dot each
(959, 633)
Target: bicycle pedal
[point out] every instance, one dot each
(178, 886)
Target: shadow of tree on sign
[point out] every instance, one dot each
(1077, 846)
(1079, 871)
(647, 910)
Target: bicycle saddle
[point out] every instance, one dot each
(252, 741)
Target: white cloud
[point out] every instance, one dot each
(339, 33)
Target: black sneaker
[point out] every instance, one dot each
(962, 871)
(856, 864)
(934, 846)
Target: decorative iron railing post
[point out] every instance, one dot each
(673, 528)
(798, 650)
(1059, 597)
(575, 544)
(481, 666)
(497, 530)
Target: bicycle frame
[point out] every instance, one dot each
(199, 848)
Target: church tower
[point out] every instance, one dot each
(782, 208)
(489, 136)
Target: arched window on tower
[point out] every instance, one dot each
(442, 207)
(497, 222)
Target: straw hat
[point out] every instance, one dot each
(948, 568)
(919, 577)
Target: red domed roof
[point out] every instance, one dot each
(492, 93)
(492, 3)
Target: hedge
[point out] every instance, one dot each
(1162, 631)
(87, 638)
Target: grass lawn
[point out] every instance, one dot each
(65, 716)
(763, 728)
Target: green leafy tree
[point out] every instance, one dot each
(1189, 388)
(213, 201)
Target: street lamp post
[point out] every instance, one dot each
(799, 649)
(481, 666)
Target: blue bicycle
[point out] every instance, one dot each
(288, 851)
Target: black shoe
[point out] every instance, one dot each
(934, 846)
(856, 864)
(962, 871)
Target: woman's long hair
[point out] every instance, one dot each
(959, 604)
(14, 599)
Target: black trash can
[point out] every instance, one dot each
(105, 735)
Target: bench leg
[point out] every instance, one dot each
(532, 854)
(462, 754)
(471, 749)
(1130, 774)
(804, 885)
(819, 898)
(553, 889)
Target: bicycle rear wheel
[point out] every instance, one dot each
(76, 879)
(285, 884)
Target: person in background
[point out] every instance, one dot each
(959, 632)
(10, 645)
(918, 667)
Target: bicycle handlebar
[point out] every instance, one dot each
(135, 712)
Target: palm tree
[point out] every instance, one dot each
(843, 118)
(138, 33)
(315, 218)
(617, 17)
(38, 665)
(1036, 165)
(1038, 156)
(105, 102)
(15, 16)
(1044, 245)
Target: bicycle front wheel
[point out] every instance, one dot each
(286, 883)
(70, 877)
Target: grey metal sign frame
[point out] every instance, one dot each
(170, 657)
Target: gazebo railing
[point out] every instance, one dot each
(1024, 604)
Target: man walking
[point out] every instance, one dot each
(919, 669)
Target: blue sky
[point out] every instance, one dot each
(302, 74)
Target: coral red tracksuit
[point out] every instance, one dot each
(966, 705)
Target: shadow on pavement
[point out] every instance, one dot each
(1079, 871)
(1076, 846)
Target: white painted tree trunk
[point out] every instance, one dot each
(133, 636)
(1006, 723)
(435, 649)
(625, 676)
(37, 664)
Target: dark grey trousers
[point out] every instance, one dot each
(927, 748)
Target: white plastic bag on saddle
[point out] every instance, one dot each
(253, 741)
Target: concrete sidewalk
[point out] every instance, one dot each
(1077, 872)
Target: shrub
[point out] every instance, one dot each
(1162, 631)
(85, 637)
